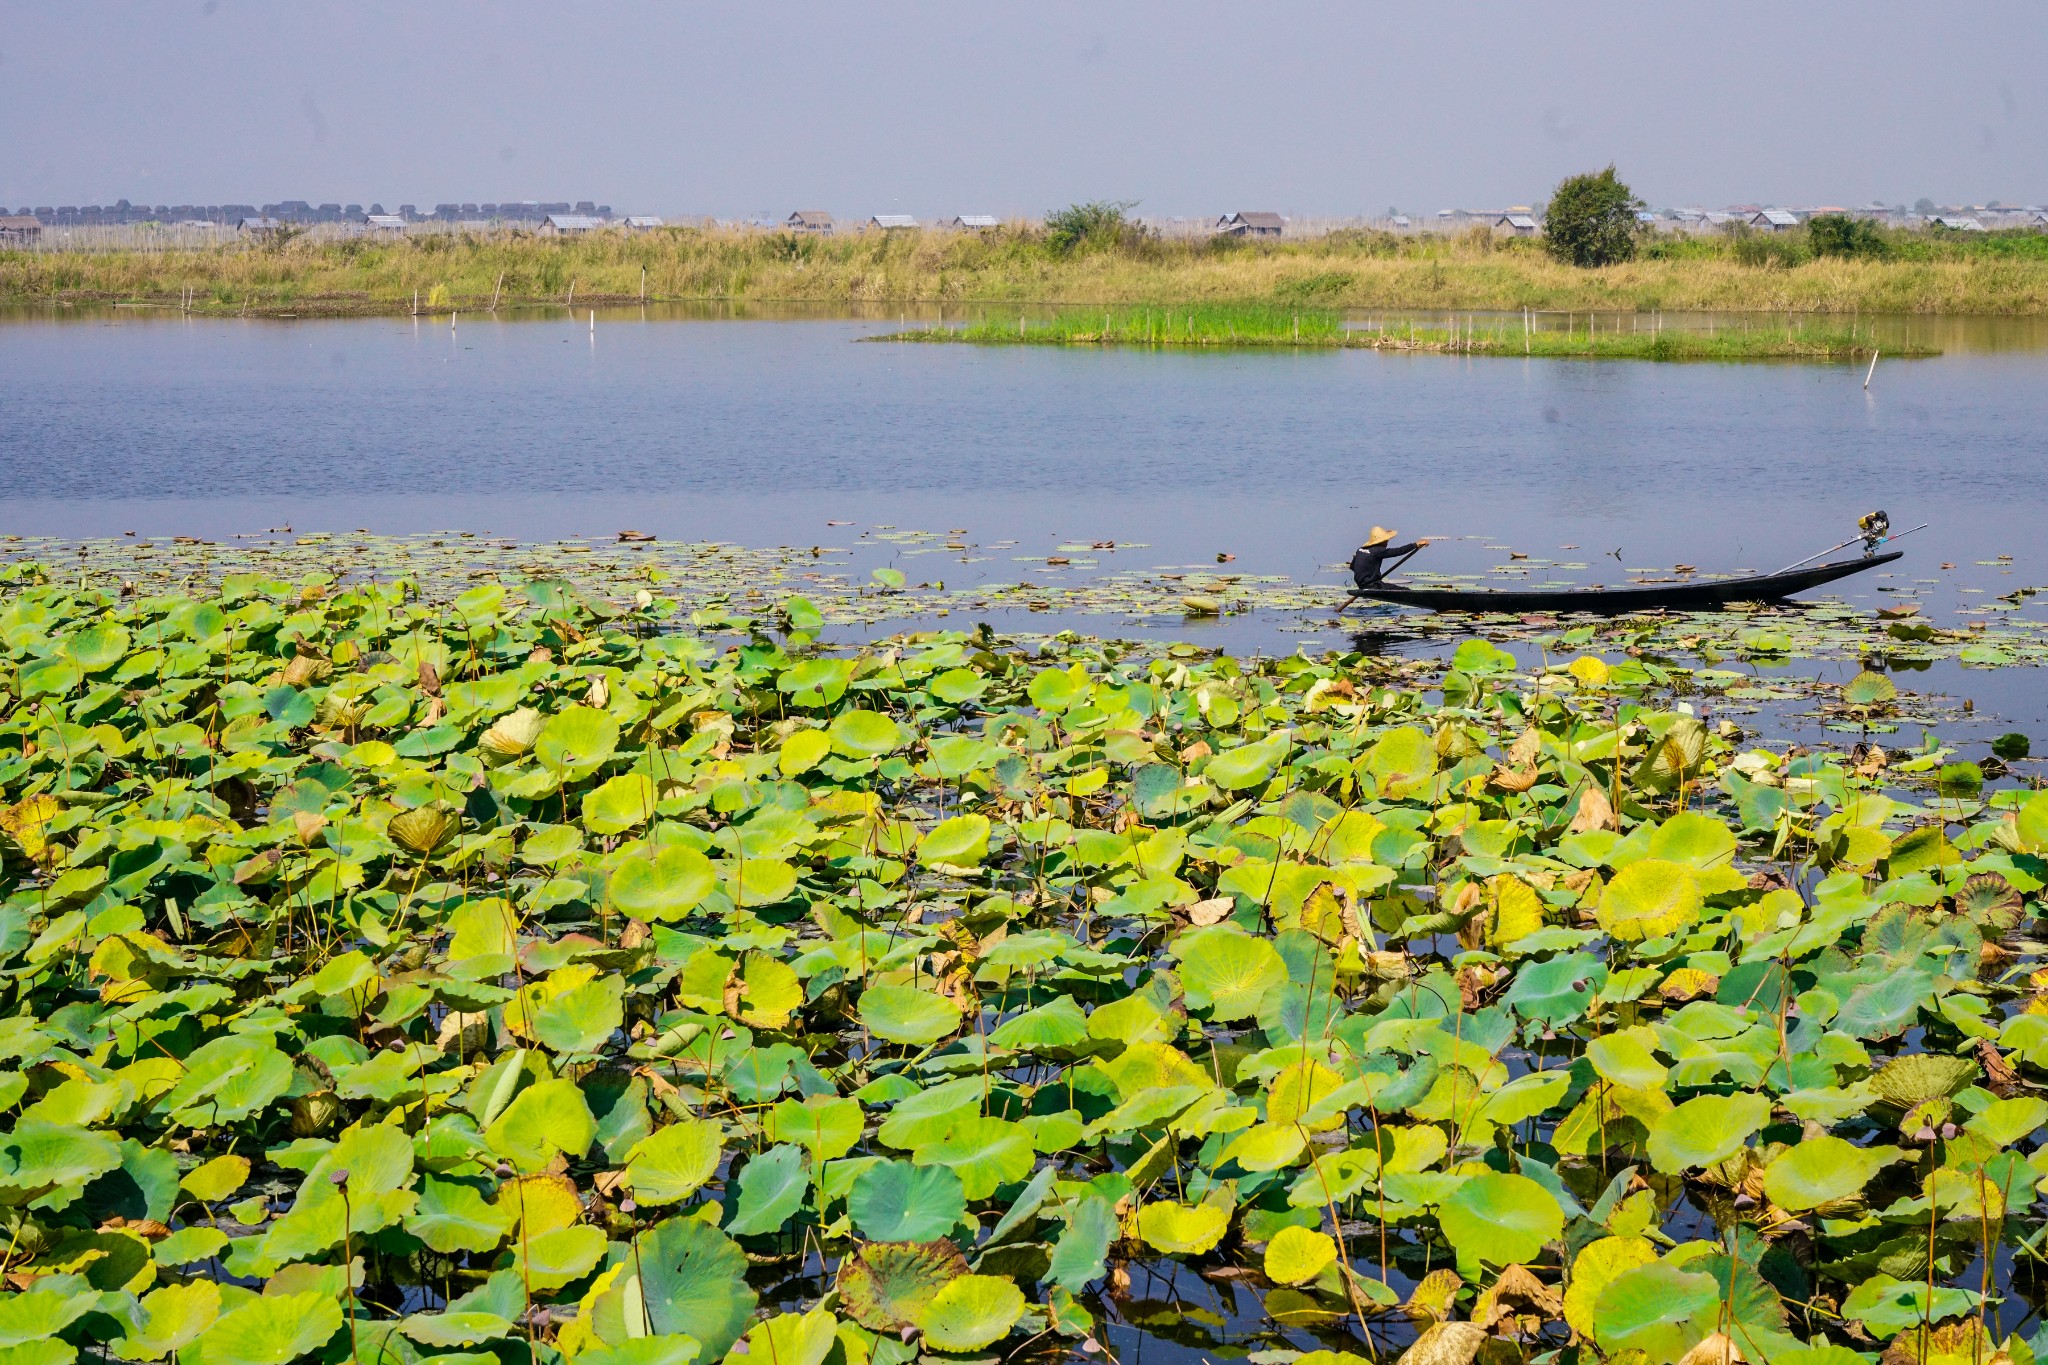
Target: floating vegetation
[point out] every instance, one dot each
(1226, 327)
(470, 966)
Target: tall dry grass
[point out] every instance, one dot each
(1017, 265)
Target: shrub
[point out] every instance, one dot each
(1097, 223)
(1837, 234)
(1591, 220)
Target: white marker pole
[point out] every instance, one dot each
(1873, 368)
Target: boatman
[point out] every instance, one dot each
(1378, 557)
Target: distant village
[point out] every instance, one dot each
(27, 225)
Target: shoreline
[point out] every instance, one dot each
(1927, 275)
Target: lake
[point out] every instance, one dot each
(764, 430)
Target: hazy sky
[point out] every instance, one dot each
(939, 108)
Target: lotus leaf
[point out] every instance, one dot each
(986, 1153)
(270, 1330)
(576, 741)
(971, 1312)
(546, 1118)
(1503, 1219)
(1227, 971)
(1706, 1129)
(905, 1014)
(456, 1327)
(1297, 1255)
(826, 1127)
(692, 1281)
(665, 886)
(1657, 1308)
(886, 1285)
(673, 1349)
(770, 1190)
(1823, 1170)
(803, 751)
(172, 1318)
(48, 1163)
(553, 1259)
(674, 1162)
(1249, 765)
(1182, 1229)
(961, 841)
(794, 1338)
(624, 802)
(453, 1216)
(896, 1201)
(581, 1018)
(1649, 898)
(865, 734)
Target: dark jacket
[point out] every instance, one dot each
(1369, 567)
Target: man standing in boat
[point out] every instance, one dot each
(1379, 556)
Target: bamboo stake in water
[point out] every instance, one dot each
(1873, 367)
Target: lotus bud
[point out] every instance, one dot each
(340, 1179)
(504, 1170)
(627, 1206)
(1948, 1132)
(1924, 1135)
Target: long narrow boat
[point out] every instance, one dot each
(1770, 587)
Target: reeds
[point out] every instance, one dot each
(1353, 270)
(1223, 327)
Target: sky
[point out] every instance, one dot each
(1321, 107)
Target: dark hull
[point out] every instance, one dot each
(1612, 601)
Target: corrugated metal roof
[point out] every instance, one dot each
(810, 218)
(385, 220)
(1960, 224)
(1518, 220)
(573, 222)
(644, 221)
(259, 224)
(893, 220)
(1258, 220)
(975, 220)
(1776, 218)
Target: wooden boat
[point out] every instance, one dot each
(1700, 596)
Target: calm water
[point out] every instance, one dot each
(760, 431)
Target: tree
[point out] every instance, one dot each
(1591, 220)
(1097, 223)
(1837, 234)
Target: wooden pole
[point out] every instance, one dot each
(1872, 370)
(495, 290)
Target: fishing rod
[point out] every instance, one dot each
(1872, 544)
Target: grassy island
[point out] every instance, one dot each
(1224, 327)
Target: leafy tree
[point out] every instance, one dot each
(1097, 223)
(1837, 234)
(1591, 220)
